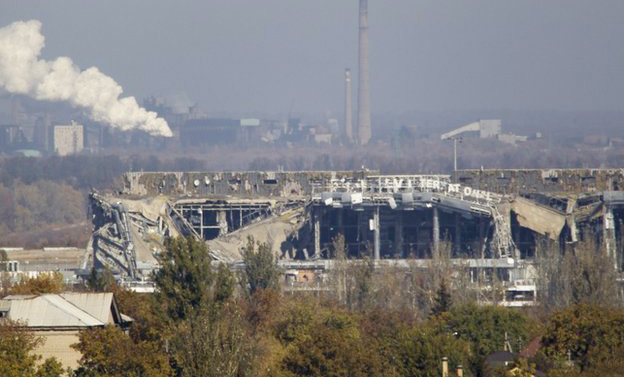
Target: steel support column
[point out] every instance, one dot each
(608, 234)
(317, 233)
(222, 222)
(436, 230)
(201, 223)
(376, 233)
(398, 234)
(458, 238)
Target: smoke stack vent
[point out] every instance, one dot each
(348, 131)
(364, 115)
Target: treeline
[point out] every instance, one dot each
(43, 200)
(412, 155)
(84, 172)
(43, 213)
(205, 321)
(26, 207)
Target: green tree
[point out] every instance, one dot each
(419, 349)
(204, 326)
(484, 327)
(101, 280)
(261, 270)
(224, 284)
(442, 302)
(185, 277)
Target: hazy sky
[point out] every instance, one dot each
(246, 56)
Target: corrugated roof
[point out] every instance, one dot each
(96, 304)
(64, 310)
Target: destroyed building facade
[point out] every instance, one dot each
(491, 221)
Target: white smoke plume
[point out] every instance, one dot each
(22, 72)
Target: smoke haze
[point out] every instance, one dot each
(23, 72)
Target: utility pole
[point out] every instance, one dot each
(454, 154)
(456, 139)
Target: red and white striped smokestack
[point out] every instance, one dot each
(364, 114)
(348, 131)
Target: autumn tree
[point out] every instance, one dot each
(339, 272)
(17, 359)
(360, 289)
(109, 352)
(147, 324)
(214, 342)
(329, 343)
(50, 367)
(593, 336)
(592, 275)
(43, 283)
(583, 274)
(7, 209)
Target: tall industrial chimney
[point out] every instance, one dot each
(364, 115)
(348, 130)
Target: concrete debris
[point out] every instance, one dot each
(539, 219)
(275, 231)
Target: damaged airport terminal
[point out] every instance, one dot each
(489, 220)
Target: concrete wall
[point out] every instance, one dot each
(284, 184)
(511, 181)
(275, 184)
(58, 344)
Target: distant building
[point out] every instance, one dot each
(222, 131)
(68, 139)
(321, 134)
(58, 319)
(30, 263)
(13, 137)
(485, 127)
(209, 131)
(511, 138)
